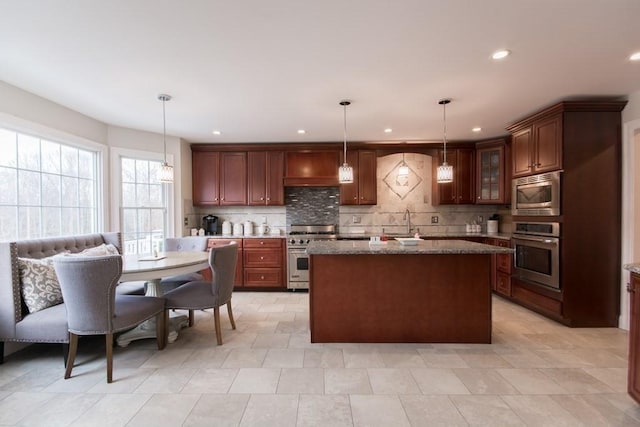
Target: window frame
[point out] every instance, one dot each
(43, 132)
(117, 153)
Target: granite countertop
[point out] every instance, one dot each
(443, 234)
(634, 268)
(362, 247)
(255, 236)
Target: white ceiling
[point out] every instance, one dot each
(259, 70)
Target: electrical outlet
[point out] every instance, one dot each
(186, 221)
(356, 219)
(480, 218)
(434, 220)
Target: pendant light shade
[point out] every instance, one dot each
(444, 172)
(345, 172)
(403, 170)
(166, 170)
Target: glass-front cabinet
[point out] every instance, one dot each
(491, 180)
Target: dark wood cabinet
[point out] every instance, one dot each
(239, 277)
(633, 381)
(588, 133)
(492, 182)
(501, 268)
(264, 263)
(462, 189)
(537, 147)
(363, 190)
(312, 168)
(219, 178)
(265, 174)
(233, 178)
(206, 187)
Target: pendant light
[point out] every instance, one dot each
(166, 170)
(445, 171)
(345, 172)
(403, 170)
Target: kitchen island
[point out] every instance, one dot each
(437, 291)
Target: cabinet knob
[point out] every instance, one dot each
(261, 258)
(215, 198)
(268, 199)
(261, 198)
(355, 197)
(478, 197)
(222, 199)
(538, 164)
(361, 197)
(630, 288)
(261, 242)
(261, 277)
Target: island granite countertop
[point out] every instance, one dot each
(391, 247)
(634, 267)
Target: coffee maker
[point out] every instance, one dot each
(210, 225)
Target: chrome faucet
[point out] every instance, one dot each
(407, 217)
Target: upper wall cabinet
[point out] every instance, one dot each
(265, 175)
(492, 180)
(219, 178)
(311, 168)
(537, 146)
(462, 189)
(363, 190)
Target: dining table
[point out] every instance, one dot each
(151, 268)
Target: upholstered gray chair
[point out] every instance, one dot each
(191, 243)
(88, 287)
(202, 294)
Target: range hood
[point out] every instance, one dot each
(312, 168)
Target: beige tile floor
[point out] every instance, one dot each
(536, 373)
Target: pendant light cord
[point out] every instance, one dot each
(344, 105)
(164, 130)
(444, 115)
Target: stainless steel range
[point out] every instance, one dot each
(298, 239)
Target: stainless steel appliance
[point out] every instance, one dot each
(298, 239)
(536, 194)
(537, 253)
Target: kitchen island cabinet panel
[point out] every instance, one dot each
(633, 381)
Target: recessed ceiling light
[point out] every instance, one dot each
(635, 56)
(302, 131)
(388, 130)
(216, 132)
(476, 129)
(499, 54)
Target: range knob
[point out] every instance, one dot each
(292, 241)
(301, 241)
(308, 240)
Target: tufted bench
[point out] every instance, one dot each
(48, 325)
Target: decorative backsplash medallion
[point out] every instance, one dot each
(402, 185)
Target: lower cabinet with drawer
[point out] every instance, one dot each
(261, 262)
(264, 263)
(501, 268)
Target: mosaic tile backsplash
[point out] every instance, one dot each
(312, 205)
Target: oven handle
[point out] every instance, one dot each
(548, 240)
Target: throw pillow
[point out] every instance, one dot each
(101, 250)
(39, 284)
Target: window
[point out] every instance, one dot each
(144, 206)
(49, 188)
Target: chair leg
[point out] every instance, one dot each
(109, 342)
(2, 352)
(216, 319)
(160, 334)
(191, 318)
(73, 347)
(230, 311)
